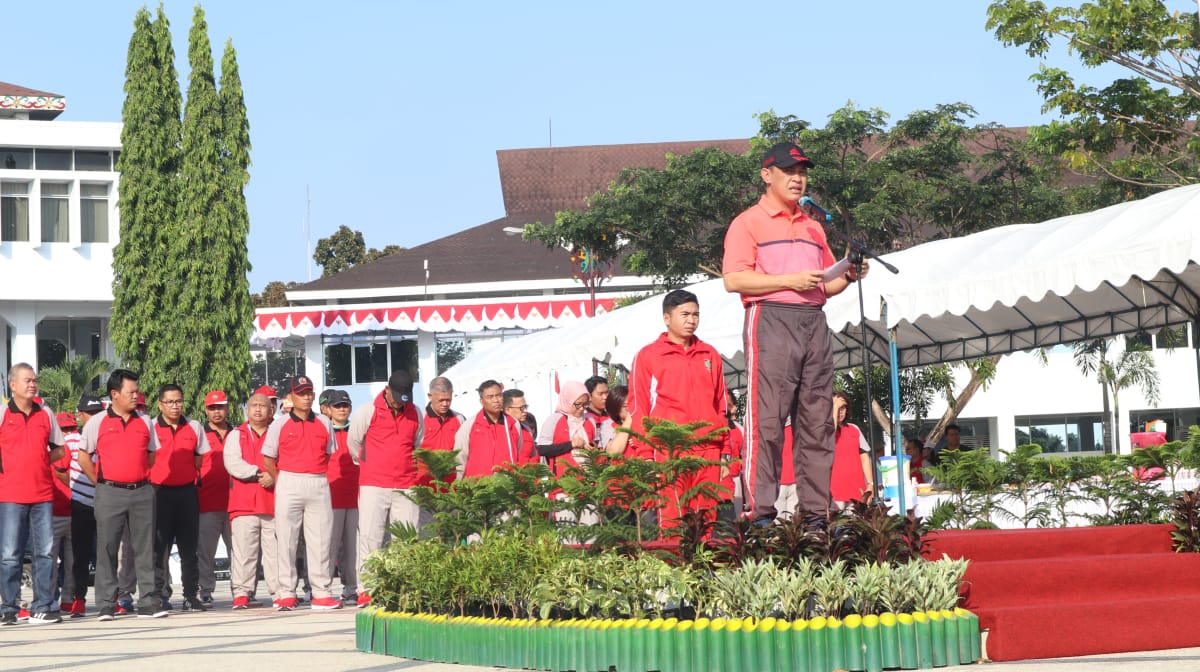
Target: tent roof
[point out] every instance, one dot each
(1122, 269)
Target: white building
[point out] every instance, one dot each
(58, 225)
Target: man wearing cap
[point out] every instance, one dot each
(382, 438)
(251, 504)
(296, 454)
(441, 423)
(343, 494)
(213, 492)
(30, 441)
(492, 439)
(182, 444)
(118, 453)
(779, 261)
(83, 515)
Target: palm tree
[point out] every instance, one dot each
(61, 386)
(1134, 366)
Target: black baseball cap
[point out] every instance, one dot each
(298, 384)
(335, 397)
(89, 404)
(786, 155)
(401, 384)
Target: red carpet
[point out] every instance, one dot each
(1046, 593)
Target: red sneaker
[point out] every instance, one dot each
(241, 602)
(364, 599)
(326, 603)
(118, 610)
(23, 614)
(65, 607)
(285, 604)
(78, 608)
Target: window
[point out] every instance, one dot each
(92, 161)
(338, 362)
(14, 211)
(93, 203)
(1062, 433)
(56, 224)
(53, 159)
(368, 358)
(270, 367)
(59, 339)
(16, 159)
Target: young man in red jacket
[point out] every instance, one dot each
(251, 505)
(491, 439)
(343, 493)
(679, 378)
(382, 438)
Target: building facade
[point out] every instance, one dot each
(58, 226)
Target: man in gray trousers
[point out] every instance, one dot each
(124, 443)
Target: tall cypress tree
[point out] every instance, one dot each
(148, 164)
(230, 364)
(199, 270)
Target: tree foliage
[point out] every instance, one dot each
(1133, 366)
(148, 164)
(184, 220)
(346, 248)
(1139, 129)
(62, 386)
(274, 294)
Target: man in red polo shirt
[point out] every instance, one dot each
(382, 438)
(296, 454)
(251, 504)
(30, 440)
(118, 453)
(441, 422)
(491, 439)
(214, 494)
(679, 378)
(182, 445)
(779, 261)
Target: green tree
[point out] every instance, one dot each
(62, 386)
(274, 295)
(340, 251)
(388, 250)
(148, 164)
(1133, 366)
(1139, 129)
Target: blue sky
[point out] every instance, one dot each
(391, 112)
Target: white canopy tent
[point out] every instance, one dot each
(1126, 268)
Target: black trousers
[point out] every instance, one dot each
(83, 545)
(177, 522)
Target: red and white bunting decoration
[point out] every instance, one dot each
(272, 324)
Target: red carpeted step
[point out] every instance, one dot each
(1027, 544)
(1086, 628)
(1071, 580)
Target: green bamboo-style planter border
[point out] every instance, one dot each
(921, 640)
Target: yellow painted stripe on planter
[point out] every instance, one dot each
(920, 617)
(642, 623)
(870, 621)
(817, 623)
(734, 625)
(783, 626)
(698, 624)
(904, 619)
(683, 626)
(717, 624)
(767, 624)
(800, 624)
(934, 615)
(656, 624)
(670, 625)
(853, 621)
(832, 622)
(887, 620)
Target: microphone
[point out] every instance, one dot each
(810, 208)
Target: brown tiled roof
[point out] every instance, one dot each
(484, 253)
(536, 184)
(7, 89)
(561, 178)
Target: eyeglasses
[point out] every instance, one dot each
(521, 408)
(171, 402)
(579, 404)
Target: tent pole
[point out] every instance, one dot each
(897, 435)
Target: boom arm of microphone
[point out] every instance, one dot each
(857, 249)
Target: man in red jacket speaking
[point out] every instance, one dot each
(679, 378)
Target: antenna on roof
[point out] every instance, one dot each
(308, 230)
(426, 279)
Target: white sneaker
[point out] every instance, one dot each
(45, 618)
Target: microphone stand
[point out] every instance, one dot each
(859, 251)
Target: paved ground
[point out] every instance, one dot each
(262, 640)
